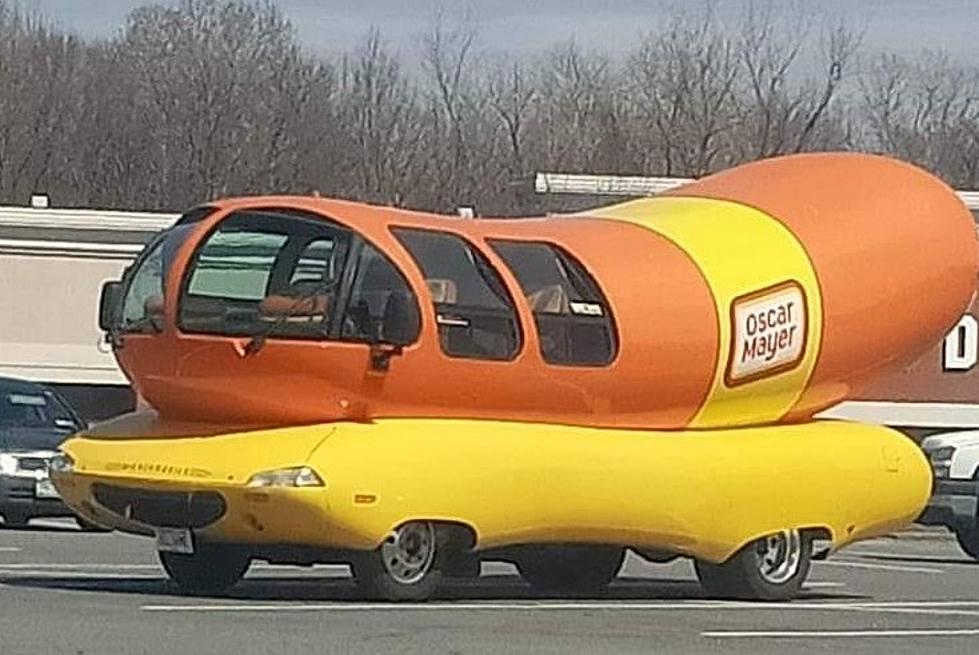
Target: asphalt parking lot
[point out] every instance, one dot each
(66, 592)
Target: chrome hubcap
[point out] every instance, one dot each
(409, 552)
(779, 556)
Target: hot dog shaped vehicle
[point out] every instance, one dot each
(337, 382)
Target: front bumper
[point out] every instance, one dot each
(954, 502)
(214, 512)
(18, 495)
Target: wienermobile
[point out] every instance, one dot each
(408, 393)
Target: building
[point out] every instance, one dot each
(52, 266)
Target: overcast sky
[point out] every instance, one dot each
(521, 26)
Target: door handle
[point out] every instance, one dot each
(453, 321)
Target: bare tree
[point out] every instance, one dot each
(784, 109)
(683, 90)
(447, 50)
(926, 112)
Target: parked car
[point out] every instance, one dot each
(34, 420)
(955, 495)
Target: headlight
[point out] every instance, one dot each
(8, 464)
(301, 476)
(61, 463)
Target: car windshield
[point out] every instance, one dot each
(31, 419)
(142, 309)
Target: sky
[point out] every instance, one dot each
(520, 27)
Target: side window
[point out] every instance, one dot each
(382, 306)
(572, 315)
(235, 265)
(265, 275)
(475, 314)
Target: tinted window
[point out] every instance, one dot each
(476, 317)
(382, 306)
(572, 316)
(265, 274)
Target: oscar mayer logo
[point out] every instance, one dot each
(768, 333)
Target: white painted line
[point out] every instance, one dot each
(880, 567)
(354, 606)
(918, 610)
(843, 634)
(921, 603)
(9, 549)
(823, 585)
(81, 567)
(75, 575)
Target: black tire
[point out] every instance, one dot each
(570, 570)
(87, 526)
(746, 576)
(14, 520)
(968, 538)
(211, 570)
(406, 567)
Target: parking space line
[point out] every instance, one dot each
(827, 634)
(9, 549)
(80, 567)
(919, 610)
(880, 567)
(353, 606)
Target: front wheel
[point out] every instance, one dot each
(771, 568)
(570, 570)
(404, 568)
(968, 538)
(211, 570)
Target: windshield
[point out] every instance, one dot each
(142, 308)
(34, 420)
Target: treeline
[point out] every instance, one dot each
(217, 97)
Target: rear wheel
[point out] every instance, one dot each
(211, 570)
(968, 538)
(404, 568)
(570, 570)
(770, 568)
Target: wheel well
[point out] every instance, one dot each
(455, 535)
(818, 533)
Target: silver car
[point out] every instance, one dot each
(33, 421)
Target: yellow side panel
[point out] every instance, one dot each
(739, 250)
(704, 493)
(701, 493)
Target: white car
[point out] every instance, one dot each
(954, 502)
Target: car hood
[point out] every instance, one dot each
(21, 439)
(955, 439)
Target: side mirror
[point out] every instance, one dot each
(398, 327)
(381, 354)
(109, 304)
